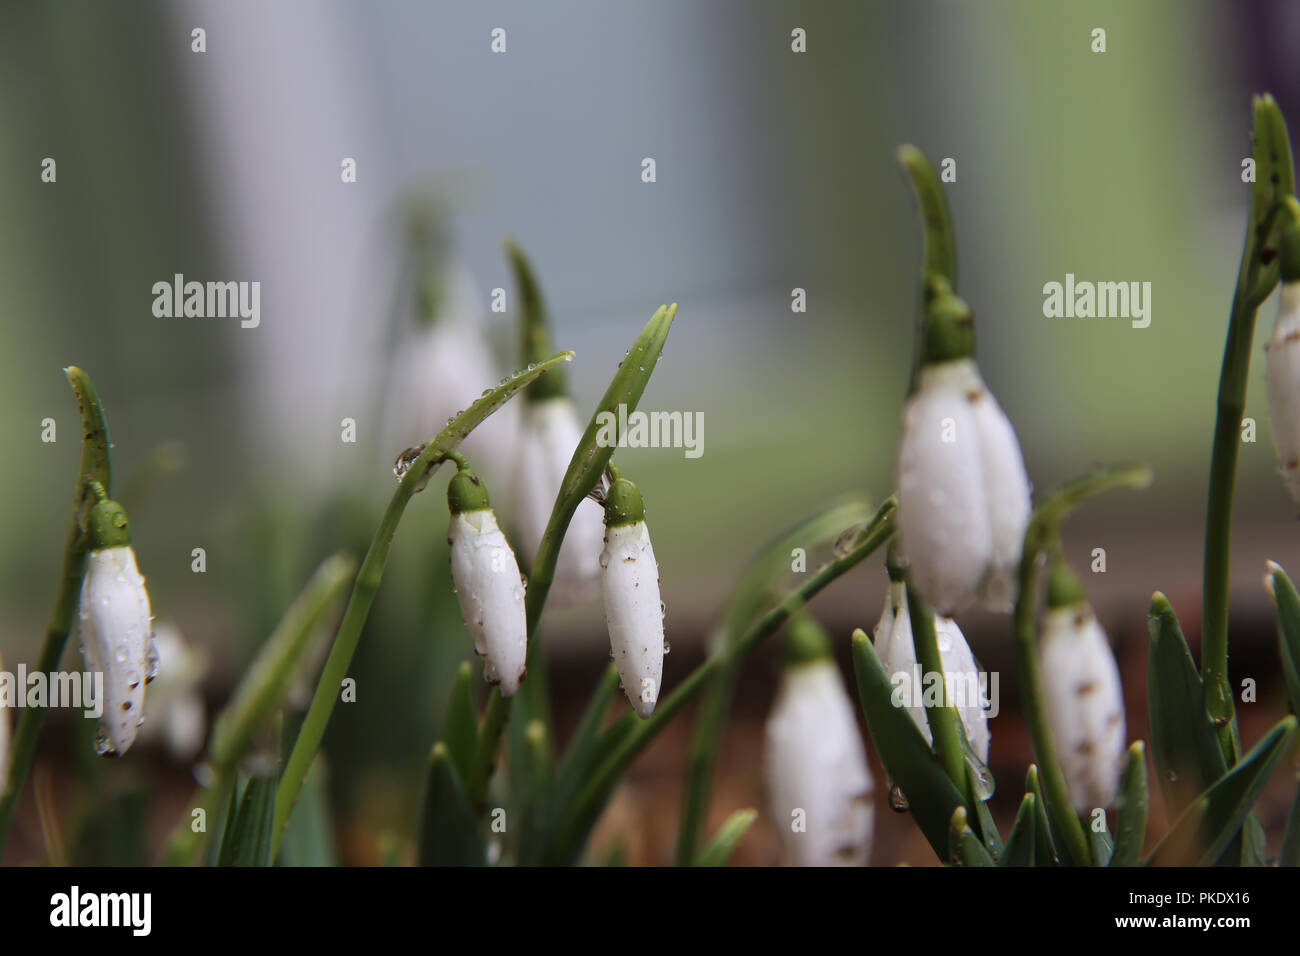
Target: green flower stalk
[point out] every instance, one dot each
(488, 584)
(819, 786)
(630, 585)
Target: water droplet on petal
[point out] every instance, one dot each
(668, 648)
(104, 746)
(151, 662)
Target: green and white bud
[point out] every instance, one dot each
(961, 674)
(634, 610)
(114, 626)
(963, 494)
(819, 786)
(549, 435)
(1282, 367)
(488, 585)
(1082, 693)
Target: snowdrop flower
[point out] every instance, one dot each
(963, 495)
(175, 712)
(897, 654)
(633, 610)
(1282, 375)
(1081, 688)
(113, 622)
(488, 585)
(814, 764)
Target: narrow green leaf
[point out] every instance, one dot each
(449, 833)
(460, 726)
(1131, 808)
(988, 828)
(1287, 602)
(717, 852)
(247, 841)
(1183, 743)
(1045, 852)
(1290, 855)
(585, 746)
(309, 835)
(965, 848)
(96, 460)
(1274, 166)
(261, 691)
(1100, 843)
(1020, 844)
(1206, 827)
(908, 761)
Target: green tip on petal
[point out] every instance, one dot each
(623, 504)
(1063, 588)
(948, 330)
(107, 526)
(466, 492)
(806, 640)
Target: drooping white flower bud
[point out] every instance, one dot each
(1282, 374)
(963, 494)
(633, 609)
(961, 674)
(488, 585)
(819, 786)
(550, 432)
(1082, 694)
(113, 623)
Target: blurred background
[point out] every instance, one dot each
(774, 170)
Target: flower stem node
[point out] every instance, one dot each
(948, 329)
(1084, 702)
(819, 786)
(114, 625)
(634, 611)
(488, 585)
(963, 494)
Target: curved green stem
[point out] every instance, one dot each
(95, 465)
(1256, 277)
(366, 585)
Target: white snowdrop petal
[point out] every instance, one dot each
(1282, 375)
(818, 783)
(943, 518)
(491, 596)
(634, 613)
(1006, 486)
(115, 632)
(1085, 707)
(961, 673)
(550, 432)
